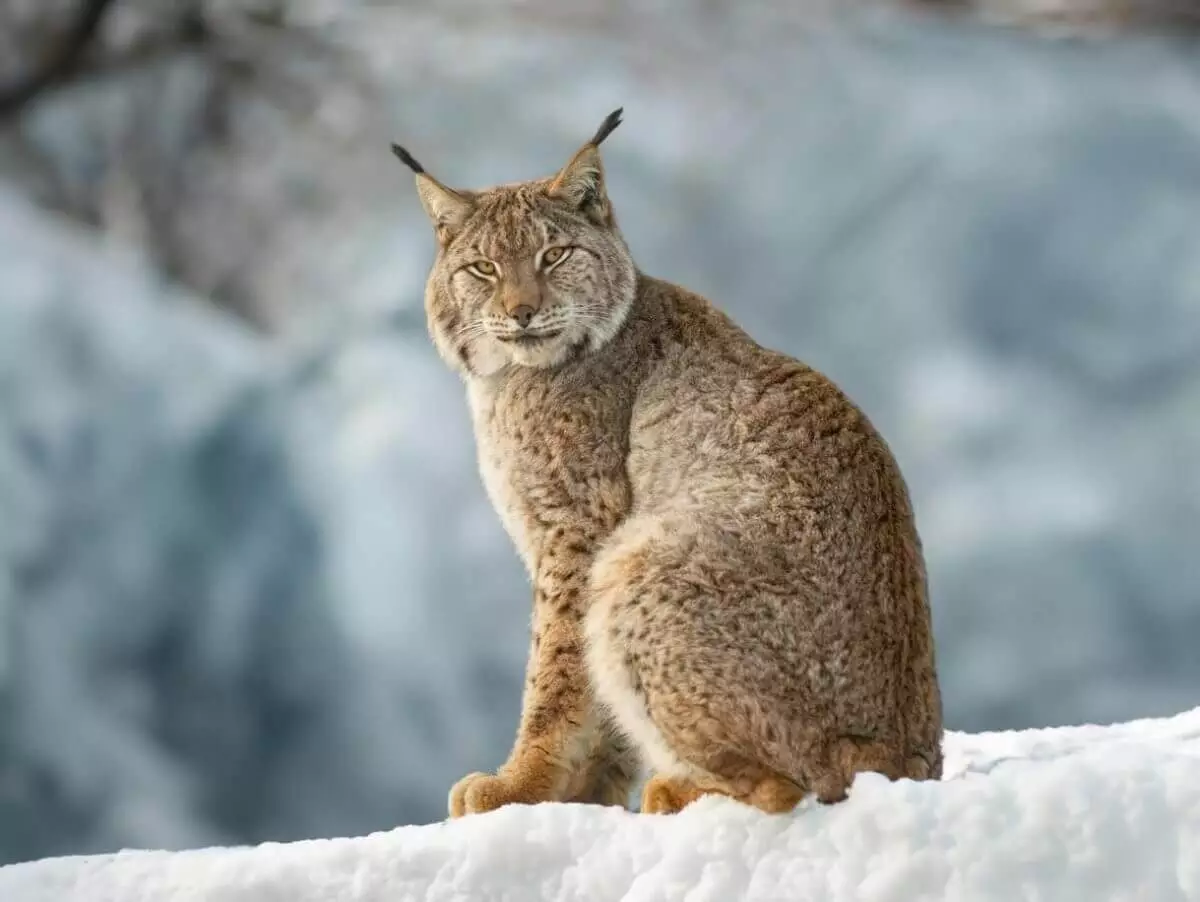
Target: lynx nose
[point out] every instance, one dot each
(523, 314)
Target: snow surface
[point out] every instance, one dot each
(1089, 813)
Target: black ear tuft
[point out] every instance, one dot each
(407, 159)
(606, 127)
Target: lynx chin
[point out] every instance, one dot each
(729, 588)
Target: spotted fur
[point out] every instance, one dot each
(728, 581)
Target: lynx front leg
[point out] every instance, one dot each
(558, 721)
(557, 477)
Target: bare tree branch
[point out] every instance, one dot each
(60, 62)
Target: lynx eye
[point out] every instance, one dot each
(485, 269)
(554, 255)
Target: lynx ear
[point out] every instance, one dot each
(581, 182)
(447, 208)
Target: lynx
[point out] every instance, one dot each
(729, 586)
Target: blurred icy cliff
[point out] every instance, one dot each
(250, 587)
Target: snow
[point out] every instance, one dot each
(1089, 813)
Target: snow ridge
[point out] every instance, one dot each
(1073, 813)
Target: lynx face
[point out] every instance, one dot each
(527, 274)
(527, 281)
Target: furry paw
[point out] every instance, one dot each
(663, 795)
(477, 793)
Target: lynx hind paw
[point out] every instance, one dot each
(667, 795)
(670, 795)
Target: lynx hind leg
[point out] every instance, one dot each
(656, 662)
(674, 730)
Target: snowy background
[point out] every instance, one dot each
(250, 586)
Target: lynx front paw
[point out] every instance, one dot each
(477, 793)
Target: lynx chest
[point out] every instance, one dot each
(499, 446)
(547, 460)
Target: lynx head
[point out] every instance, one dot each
(526, 274)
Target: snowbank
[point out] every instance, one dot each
(1087, 813)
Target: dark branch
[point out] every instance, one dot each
(407, 159)
(606, 127)
(60, 62)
